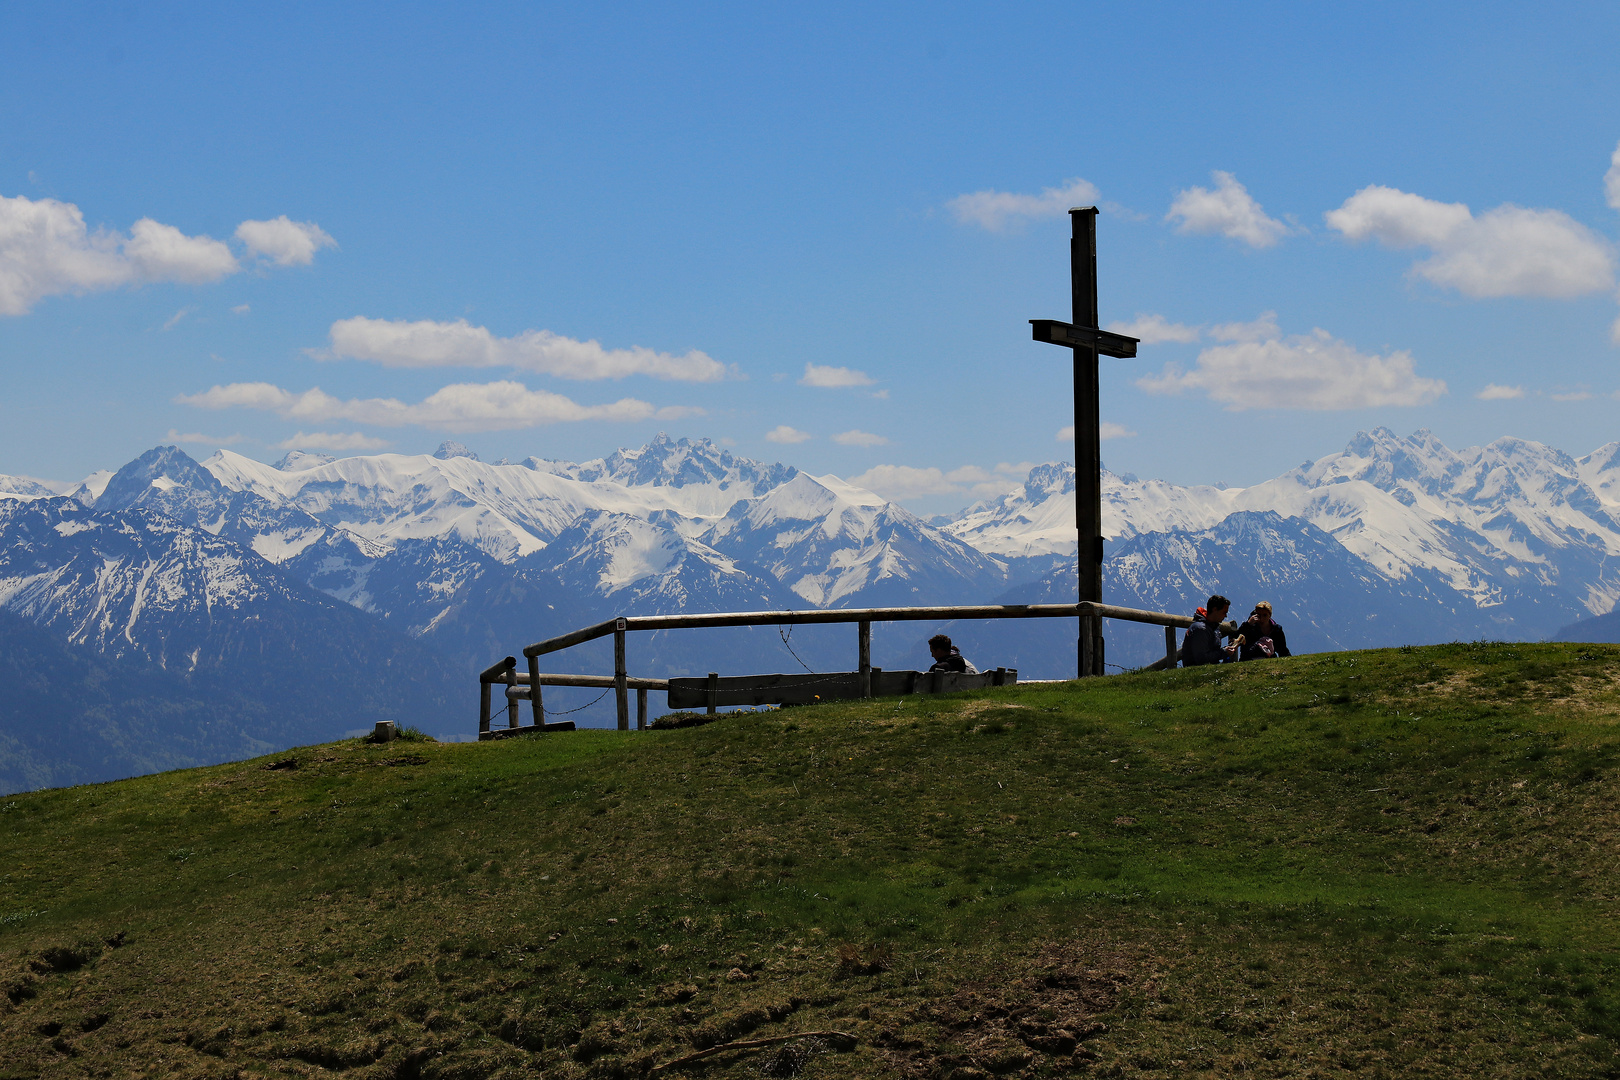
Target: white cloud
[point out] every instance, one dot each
(1107, 430)
(1508, 251)
(858, 437)
(283, 241)
(1572, 395)
(1611, 179)
(1154, 330)
(986, 483)
(995, 210)
(1307, 371)
(332, 440)
(679, 412)
(902, 482)
(174, 320)
(1229, 210)
(175, 436)
(833, 377)
(241, 309)
(784, 434)
(1262, 329)
(1498, 392)
(46, 250)
(158, 252)
(460, 407)
(397, 343)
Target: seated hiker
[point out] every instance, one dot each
(948, 657)
(1202, 645)
(1262, 637)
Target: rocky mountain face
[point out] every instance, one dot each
(177, 646)
(1523, 534)
(401, 576)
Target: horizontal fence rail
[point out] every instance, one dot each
(622, 683)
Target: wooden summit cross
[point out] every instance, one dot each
(1088, 342)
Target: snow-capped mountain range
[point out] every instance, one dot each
(1392, 540)
(1501, 525)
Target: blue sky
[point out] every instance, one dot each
(555, 231)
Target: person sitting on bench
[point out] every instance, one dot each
(948, 657)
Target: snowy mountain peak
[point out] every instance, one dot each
(1045, 481)
(667, 462)
(21, 487)
(452, 449)
(1601, 471)
(1384, 459)
(161, 468)
(298, 459)
(1032, 520)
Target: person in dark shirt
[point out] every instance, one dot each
(947, 657)
(1202, 645)
(1262, 637)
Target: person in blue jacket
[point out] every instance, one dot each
(1202, 645)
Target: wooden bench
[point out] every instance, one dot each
(696, 692)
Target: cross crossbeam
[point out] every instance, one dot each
(1061, 333)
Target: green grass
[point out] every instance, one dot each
(1394, 863)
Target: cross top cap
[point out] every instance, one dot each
(1082, 209)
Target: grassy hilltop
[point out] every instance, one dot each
(1395, 863)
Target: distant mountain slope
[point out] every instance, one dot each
(185, 565)
(1599, 628)
(113, 718)
(836, 545)
(1523, 531)
(251, 660)
(1325, 597)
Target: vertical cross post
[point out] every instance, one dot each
(484, 696)
(621, 677)
(865, 651)
(1087, 435)
(536, 705)
(1170, 646)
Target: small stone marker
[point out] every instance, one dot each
(383, 732)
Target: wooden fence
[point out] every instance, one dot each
(527, 686)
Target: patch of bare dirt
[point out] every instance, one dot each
(1028, 1018)
(973, 708)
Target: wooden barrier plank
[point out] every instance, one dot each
(505, 733)
(796, 689)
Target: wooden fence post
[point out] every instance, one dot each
(1169, 646)
(714, 689)
(866, 657)
(511, 702)
(483, 708)
(536, 705)
(1088, 646)
(621, 686)
(641, 709)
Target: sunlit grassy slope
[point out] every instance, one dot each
(1397, 863)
